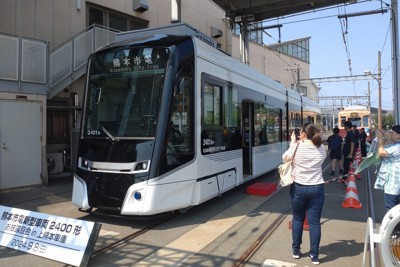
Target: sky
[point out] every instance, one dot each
(330, 54)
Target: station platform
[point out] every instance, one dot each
(215, 233)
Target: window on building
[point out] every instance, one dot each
(114, 20)
(303, 90)
(255, 35)
(118, 22)
(298, 48)
(96, 16)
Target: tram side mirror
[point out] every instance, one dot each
(179, 86)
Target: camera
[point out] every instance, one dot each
(297, 133)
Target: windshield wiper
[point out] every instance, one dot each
(110, 136)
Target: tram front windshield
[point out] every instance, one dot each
(124, 93)
(354, 120)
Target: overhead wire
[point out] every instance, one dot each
(344, 27)
(309, 19)
(387, 69)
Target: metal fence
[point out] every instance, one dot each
(23, 59)
(68, 61)
(28, 60)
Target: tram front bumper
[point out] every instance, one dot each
(80, 193)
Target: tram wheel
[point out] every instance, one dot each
(183, 211)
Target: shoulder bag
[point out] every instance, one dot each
(285, 171)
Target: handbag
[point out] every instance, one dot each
(285, 171)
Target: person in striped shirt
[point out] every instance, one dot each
(388, 178)
(307, 191)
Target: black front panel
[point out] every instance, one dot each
(109, 189)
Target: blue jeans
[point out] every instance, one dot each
(391, 201)
(307, 199)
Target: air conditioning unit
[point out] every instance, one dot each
(140, 5)
(55, 163)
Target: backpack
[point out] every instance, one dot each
(335, 142)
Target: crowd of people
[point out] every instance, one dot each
(342, 150)
(307, 191)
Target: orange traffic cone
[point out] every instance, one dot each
(351, 184)
(306, 226)
(351, 199)
(357, 162)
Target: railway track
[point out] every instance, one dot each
(264, 236)
(129, 237)
(124, 240)
(256, 245)
(244, 258)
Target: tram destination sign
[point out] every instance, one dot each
(57, 238)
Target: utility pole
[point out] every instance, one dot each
(297, 79)
(395, 60)
(379, 92)
(369, 97)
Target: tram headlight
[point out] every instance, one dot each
(141, 166)
(137, 195)
(84, 163)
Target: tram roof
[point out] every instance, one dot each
(258, 10)
(234, 65)
(355, 107)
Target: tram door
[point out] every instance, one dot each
(248, 137)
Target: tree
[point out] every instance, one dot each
(387, 120)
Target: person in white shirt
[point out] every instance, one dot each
(307, 191)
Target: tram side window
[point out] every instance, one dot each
(212, 132)
(365, 121)
(181, 122)
(356, 121)
(267, 121)
(212, 105)
(232, 136)
(342, 121)
(295, 120)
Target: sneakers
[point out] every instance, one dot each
(332, 173)
(296, 254)
(314, 259)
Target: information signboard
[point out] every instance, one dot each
(58, 238)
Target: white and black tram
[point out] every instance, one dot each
(170, 122)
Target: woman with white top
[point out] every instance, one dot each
(307, 190)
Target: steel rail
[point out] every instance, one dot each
(127, 238)
(253, 248)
